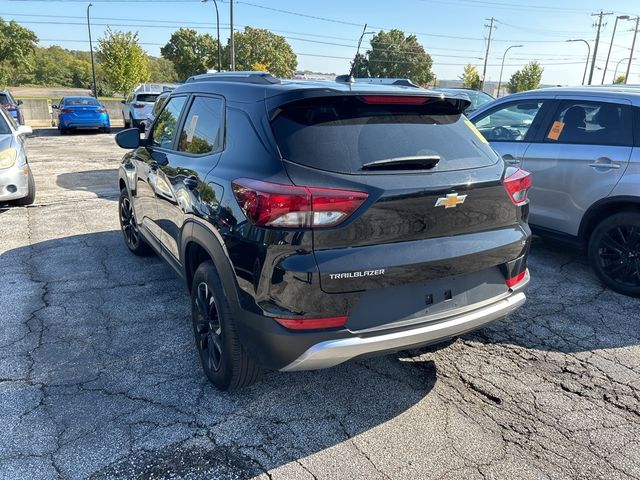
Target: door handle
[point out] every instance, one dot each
(605, 163)
(510, 159)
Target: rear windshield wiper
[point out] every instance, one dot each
(419, 162)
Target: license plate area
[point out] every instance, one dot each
(397, 306)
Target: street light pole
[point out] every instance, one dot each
(232, 45)
(586, 65)
(93, 66)
(633, 47)
(613, 36)
(615, 73)
(502, 67)
(215, 4)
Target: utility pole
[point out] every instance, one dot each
(486, 57)
(633, 47)
(595, 49)
(231, 42)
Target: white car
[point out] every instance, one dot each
(16, 179)
(139, 104)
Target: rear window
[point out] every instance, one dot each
(69, 101)
(147, 97)
(341, 134)
(4, 99)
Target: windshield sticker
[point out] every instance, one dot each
(475, 130)
(556, 130)
(192, 128)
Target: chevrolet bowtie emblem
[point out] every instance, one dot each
(452, 200)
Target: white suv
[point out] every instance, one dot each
(139, 104)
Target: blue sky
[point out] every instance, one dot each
(324, 33)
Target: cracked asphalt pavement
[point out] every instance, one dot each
(99, 376)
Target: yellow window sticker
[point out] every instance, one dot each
(473, 128)
(556, 130)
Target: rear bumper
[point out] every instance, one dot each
(85, 123)
(333, 352)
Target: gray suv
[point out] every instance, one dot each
(582, 146)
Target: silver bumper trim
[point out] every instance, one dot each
(334, 352)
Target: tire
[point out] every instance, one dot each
(31, 195)
(105, 130)
(224, 360)
(132, 237)
(126, 124)
(63, 130)
(614, 252)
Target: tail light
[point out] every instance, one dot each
(66, 110)
(138, 105)
(513, 281)
(288, 206)
(517, 182)
(312, 323)
(102, 111)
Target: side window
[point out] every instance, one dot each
(591, 123)
(509, 123)
(166, 124)
(203, 128)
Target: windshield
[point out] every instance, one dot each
(342, 134)
(80, 101)
(4, 99)
(477, 100)
(4, 126)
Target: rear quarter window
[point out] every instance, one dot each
(342, 134)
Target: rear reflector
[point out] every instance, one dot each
(517, 182)
(312, 323)
(513, 281)
(287, 206)
(394, 100)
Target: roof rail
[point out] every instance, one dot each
(260, 78)
(400, 82)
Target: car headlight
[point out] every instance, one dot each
(8, 157)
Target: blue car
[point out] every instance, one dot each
(12, 106)
(82, 112)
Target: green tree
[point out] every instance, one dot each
(190, 52)
(526, 79)
(257, 46)
(619, 79)
(124, 63)
(161, 71)
(396, 55)
(17, 48)
(360, 66)
(471, 78)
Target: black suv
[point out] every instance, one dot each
(317, 222)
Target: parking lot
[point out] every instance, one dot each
(99, 376)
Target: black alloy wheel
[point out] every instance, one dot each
(129, 226)
(208, 329)
(614, 252)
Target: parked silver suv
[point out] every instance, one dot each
(582, 146)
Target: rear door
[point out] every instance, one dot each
(419, 223)
(577, 159)
(181, 180)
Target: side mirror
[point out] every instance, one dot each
(18, 102)
(24, 130)
(129, 139)
(55, 107)
(123, 101)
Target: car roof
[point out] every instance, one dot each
(247, 87)
(627, 92)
